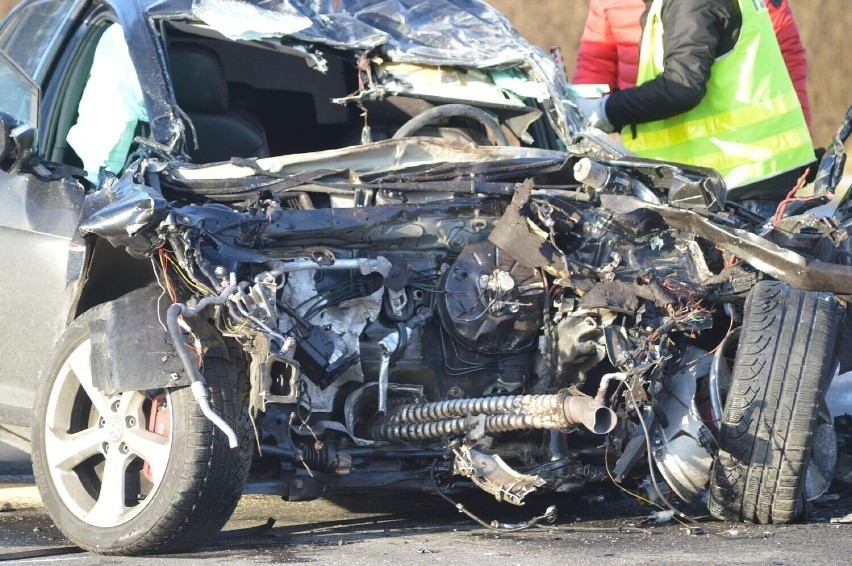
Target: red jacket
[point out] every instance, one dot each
(609, 47)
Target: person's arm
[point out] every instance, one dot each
(792, 50)
(693, 31)
(597, 58)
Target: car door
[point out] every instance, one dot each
(38, 215)
(38, 221)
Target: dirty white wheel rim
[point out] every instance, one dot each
(95, 445)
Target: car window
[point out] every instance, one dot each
(32, 29)
(18, 93)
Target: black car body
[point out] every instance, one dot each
(290, 275)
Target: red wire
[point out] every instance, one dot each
(779, 212)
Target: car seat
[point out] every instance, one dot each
(223, 131)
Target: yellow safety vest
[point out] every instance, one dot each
(749, 126)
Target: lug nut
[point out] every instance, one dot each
(130, 421)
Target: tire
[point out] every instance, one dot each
(783, 366)
(89, 450)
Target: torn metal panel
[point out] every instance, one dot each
(682, 443)
(493, 475)
(763, 255)
(246, 21)
(375, 158)
(514, 235)
(407, 31)
(123, 211)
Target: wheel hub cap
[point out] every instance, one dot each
(114, 429)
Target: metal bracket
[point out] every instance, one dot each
(493, 475)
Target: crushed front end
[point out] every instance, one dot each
(437, 315)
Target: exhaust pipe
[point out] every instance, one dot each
(561, 411)
(589, 412)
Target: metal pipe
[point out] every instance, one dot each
(516, 404)
(393, 454)
(604, 386)
(198, 384)
(590, 413)
(305, 202)
(362, 264)
(387, 346)
(199, 391)
(599, 420)
(384, 372)
(560, 411)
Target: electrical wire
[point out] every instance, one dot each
(186, 279)
(549, 515)
(618, 484)
(160, 297)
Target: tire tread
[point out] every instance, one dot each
(209, 479)
(785, 356)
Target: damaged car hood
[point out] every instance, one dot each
(429, 167)
(412, 31)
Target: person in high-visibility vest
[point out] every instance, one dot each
(713, 90)
(609, 47)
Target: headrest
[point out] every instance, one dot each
(198, 78)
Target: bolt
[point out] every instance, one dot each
(124, 448)
(114, 406)
(105, 447)
(298, 484)
(101, 422)
(455, 391)
(174, 377)
(130, 421)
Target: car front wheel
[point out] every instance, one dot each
(138, 472)
(784, 363)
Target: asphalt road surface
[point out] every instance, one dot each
(604, 527)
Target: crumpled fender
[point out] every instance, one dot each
(131, 349)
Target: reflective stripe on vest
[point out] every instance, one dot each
(749, 126)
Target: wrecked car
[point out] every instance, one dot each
(365, 254)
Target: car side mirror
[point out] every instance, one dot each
(16, 142)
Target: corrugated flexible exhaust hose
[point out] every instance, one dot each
(562, 411)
